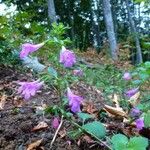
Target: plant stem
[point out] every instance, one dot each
(74, 123)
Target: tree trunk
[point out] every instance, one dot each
(51, 11)
(114, 16)
(139, 58)
(110, 29)
(95, 25)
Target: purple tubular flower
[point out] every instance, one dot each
(28, 89)
(55, 122)
(127, 76)
(135, 112)
(78, 72)
(28, 48)
(74, 101)
(131, 92)
(67, 57)
(139, 123)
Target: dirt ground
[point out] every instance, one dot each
(18, 118)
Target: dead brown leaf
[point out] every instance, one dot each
(34, 145)
(89, 107)
(116, 100)
(115, 111)
(2, 101)
(40, 126)
(88, 139)
(134, 100)
(62, 133)
(18, 102)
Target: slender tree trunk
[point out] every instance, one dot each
(95, 25)
(110, 29)
(114, 15)
(139, 58)
(51, 11)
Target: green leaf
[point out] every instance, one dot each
(119, 142)
(147, 119)
(96, 128)
(52, 71)
(137, 82)
(138, 143)
(147, 64)
(75, 133)
(85, 116)
(144, 76)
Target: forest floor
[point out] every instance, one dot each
(18, 118)
(22, 126)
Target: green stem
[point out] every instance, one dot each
(80, 127)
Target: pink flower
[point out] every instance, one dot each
(127, 76)
(28, 48)
(74, 101)
(67, 57)
(55, 123)
(28, 89)
(139, 123)
(78, 72)
(131, 92)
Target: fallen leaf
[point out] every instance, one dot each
(62, 133)
(18, 102)
(2, 101)
(116, 100)
(134, 100)
(40, 126)
(34, 145)
(89, 107)
(115, 111)
(88, 139)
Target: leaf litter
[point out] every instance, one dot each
(20, 119)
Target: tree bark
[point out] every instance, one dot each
(114, 16)
(139, 58)
(51, 11)
(95, 25)
(110, 29)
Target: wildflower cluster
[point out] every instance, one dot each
(135, 112)
(68, 59)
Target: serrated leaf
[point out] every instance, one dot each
(147, 119)
(138, 143)
(96, 128)
(52, 71)
(85, 116)
(119, 142)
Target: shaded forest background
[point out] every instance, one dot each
(85, 21)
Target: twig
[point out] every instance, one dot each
(56, 132)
